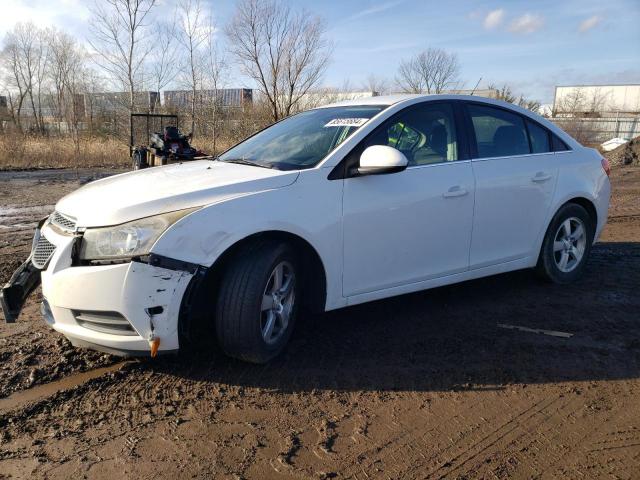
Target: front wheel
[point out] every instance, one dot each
(566, 245)
(257, 303)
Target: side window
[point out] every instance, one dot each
(425, 133)
(558, 145)
(539, 137)
(499, 133)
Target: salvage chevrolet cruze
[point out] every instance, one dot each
(335, 206)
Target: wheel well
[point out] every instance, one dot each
(198, 305)
(588, 206)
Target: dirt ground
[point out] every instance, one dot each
(428, 385)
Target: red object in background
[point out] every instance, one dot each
(606, 166)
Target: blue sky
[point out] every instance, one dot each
(531, 45)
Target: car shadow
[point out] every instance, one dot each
(456, 337)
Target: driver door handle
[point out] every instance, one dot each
(541, 177)
(455, 191)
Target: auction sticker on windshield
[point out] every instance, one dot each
(347, 122)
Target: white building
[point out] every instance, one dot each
(597, 100)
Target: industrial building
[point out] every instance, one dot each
(597, 100)
(224, 97)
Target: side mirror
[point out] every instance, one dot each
(381, 159)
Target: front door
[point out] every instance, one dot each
(414, 225)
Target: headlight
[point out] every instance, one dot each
(127, 240)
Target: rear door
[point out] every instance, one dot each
(515, 173)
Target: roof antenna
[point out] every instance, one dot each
(474, 88)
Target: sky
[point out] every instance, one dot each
(532, 45)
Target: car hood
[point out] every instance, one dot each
(129, 196)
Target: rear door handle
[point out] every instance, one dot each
(455, 191)
(541, 177)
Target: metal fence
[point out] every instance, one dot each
(599, 130)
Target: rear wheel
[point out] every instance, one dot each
(566, 245)
(257, 303)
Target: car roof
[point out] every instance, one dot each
(403, 97)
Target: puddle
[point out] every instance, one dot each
(23, 397)
(19, 226)
(14, 210)
(16, 217)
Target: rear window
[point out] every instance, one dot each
(539, 137)
(558, 145)
(499, 133)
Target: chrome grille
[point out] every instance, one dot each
(105, 322)
(42, 252)
(63, 221)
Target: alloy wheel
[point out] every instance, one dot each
(277, 302)
(569, 244)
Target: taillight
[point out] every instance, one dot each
(605, 166)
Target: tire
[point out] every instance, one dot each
(563, 257)
(249, 302)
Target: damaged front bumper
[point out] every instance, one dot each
(129, 308)
(23, 281)
(120, 308)
(13, 295)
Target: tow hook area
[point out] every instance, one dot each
(154, 345)
(154, 341)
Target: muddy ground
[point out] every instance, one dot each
(428, 385)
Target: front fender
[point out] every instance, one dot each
(310, 209)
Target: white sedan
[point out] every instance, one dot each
(344, 204)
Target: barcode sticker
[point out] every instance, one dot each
(347, 122)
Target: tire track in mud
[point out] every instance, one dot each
(41, 392)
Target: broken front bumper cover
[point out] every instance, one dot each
(23, 281)
(13, 295)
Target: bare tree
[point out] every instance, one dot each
(164, 58)
(285, 53)
(66, 62)
(598, 100)
(214, 69)
(193, 33)
(16, 88)
(92, 84)
(25, 54)
(376, 84)
(430, 71)
(118, 37)
(506, 94)
(571, 103)
(67, 72)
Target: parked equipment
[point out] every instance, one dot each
(156, 140)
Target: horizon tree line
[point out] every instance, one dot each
(284, 51)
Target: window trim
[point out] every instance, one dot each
(525, 118)
(344, 168)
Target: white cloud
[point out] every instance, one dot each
(589, 23)
(380, 7)
(527, 23)
(493, 19)
(64, 14)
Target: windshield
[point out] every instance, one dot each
(302, 140)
